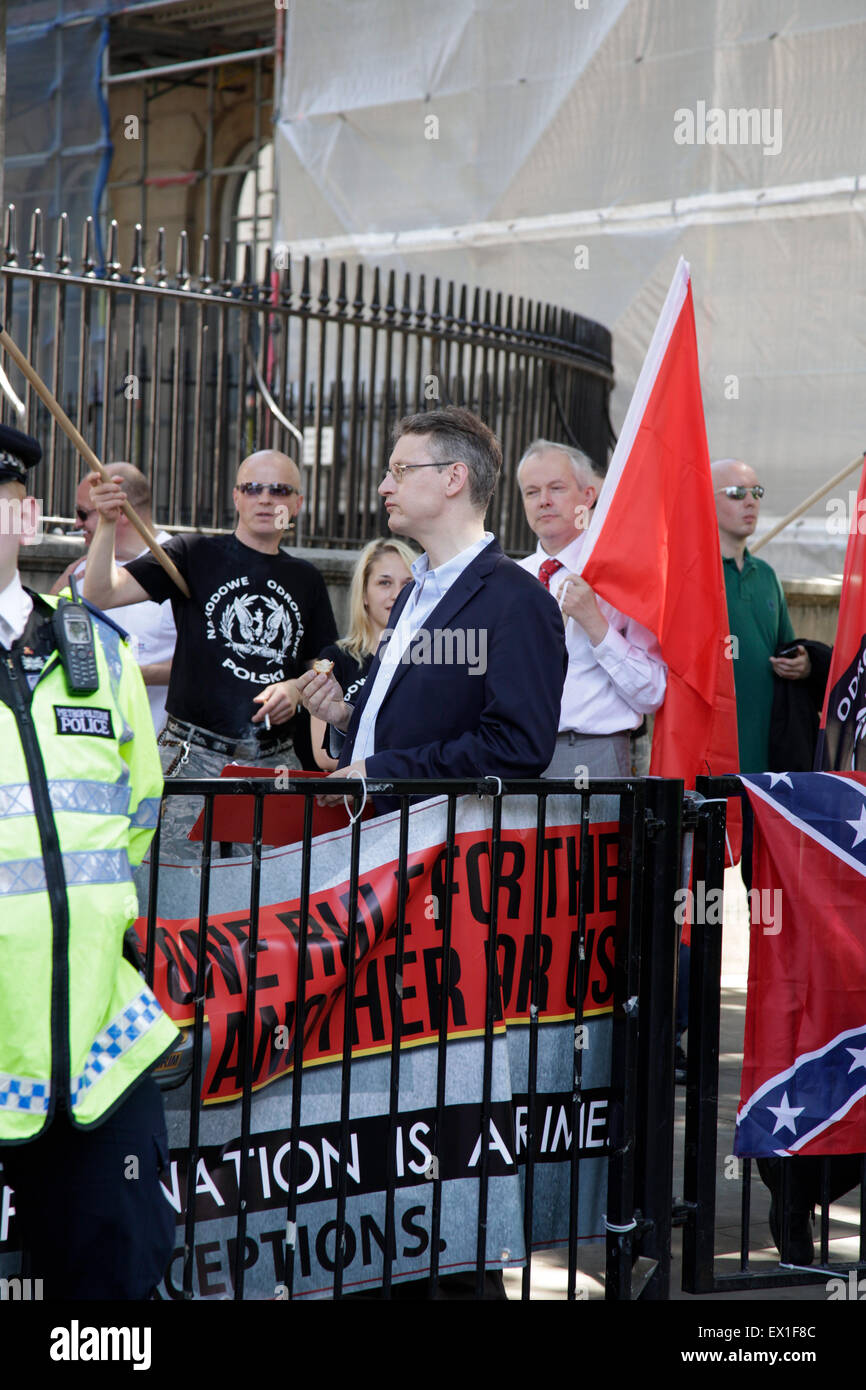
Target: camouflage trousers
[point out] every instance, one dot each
(182, 758)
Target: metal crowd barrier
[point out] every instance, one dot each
(643, 863)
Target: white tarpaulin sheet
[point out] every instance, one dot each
(485, 142)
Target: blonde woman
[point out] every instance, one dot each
(382, 570)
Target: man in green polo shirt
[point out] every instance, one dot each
(757, 612)
(759, 621)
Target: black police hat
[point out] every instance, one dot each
(18, 452)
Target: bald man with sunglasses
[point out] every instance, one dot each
(757, 612)
(257, 618)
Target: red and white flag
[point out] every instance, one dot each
(652, 549)
(842, 733)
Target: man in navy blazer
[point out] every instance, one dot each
(467, 681)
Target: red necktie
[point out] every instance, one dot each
(548, 569)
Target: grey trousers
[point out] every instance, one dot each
(602, 756)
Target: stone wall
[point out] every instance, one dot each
(812, 603)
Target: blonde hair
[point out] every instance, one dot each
(362, 639)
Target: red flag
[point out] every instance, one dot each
(841, 743)
(652, 549)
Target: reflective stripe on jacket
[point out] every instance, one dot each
(80, 786)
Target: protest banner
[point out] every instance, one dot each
(420, 1153)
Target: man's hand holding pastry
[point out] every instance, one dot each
(322, 696)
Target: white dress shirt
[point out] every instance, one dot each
(431, 586)
(608, 688)
(15, 609)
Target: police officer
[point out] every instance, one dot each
(82, 1131)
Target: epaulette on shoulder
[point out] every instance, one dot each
(104, 618)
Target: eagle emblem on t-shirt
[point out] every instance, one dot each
(256, 625)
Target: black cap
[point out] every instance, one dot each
(18, 452)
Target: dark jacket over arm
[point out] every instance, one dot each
(493, 712)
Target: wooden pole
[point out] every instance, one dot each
(84, 449)
(809, 502)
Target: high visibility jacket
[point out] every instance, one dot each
(80, 786)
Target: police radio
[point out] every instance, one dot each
(73, 633)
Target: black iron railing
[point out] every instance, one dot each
(185, 374)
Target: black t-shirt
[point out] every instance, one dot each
(349, 673)
(252, 619)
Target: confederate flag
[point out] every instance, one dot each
(803, 1088)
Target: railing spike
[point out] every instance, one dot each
(63, 257)
(112, 264)
(226, 278)
(435, 313)
(324, 295)
(36, 253)
(182, 277)
(358, 301)
(286, 284)
(138, 270)
(267, 286)
(376, 297)
(88, 264)
(248, 290)
(161, 269)
(204, 276)
(475, 321)
(342, 299)
(10, 250)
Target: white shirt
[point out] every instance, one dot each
(15, 610)
(608, 688)
(152, 635)
(431, 586)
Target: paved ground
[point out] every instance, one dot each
(550, 1268)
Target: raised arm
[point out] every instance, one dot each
(105, 583)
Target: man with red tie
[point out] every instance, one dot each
(615, 670)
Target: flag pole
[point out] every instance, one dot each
(54, 408)
(809, 502)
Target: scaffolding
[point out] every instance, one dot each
(70, 64)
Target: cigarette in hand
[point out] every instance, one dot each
(267, 721)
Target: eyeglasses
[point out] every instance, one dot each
(275, 489)
(399, 470)
(738, 493)
(82, 515)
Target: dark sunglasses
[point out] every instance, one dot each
(738, 493)
(275, 489)
(82, 515)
